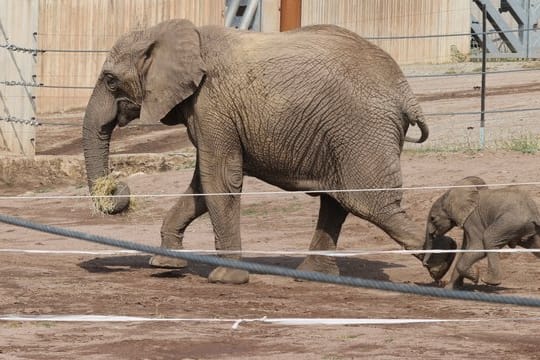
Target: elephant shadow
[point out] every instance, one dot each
(484, 288)
(113, 264)
(351, 267)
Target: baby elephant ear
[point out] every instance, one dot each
(460, 202)
(171, 68)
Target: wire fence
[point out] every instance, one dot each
(34, 121)
(39, 52)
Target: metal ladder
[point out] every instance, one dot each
(243, 14)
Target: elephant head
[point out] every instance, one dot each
(148, 74)
(452, 209)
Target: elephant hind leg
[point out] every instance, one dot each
(464, 269)
(331, 218)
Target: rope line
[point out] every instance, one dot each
(278, 270)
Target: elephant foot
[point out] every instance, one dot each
(317, 263)
(454, 285)
(223, 275)
(167, 262)
(491, 280)
(475, 275)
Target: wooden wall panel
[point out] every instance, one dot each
(95, 25)
(386, 18)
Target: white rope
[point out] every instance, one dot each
(258, 193)
(341, 253)
(237, 322)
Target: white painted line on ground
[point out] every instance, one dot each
(237, 322)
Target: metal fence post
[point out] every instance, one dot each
(483, 88)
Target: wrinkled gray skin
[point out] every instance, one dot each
(314, 109)
(490, 219)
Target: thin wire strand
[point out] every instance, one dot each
(266, 193)
(13, 47)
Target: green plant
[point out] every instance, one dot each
(531, 65)
(525, 143)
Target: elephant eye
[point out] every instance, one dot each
(112, 82)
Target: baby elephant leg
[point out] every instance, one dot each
(464, 269)
(496, 236)
(493, 276)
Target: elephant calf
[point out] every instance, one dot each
(490, 219)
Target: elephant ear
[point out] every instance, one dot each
(460, 202)
(171, 68)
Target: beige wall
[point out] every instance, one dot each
(17, 20)
(96, 24)
(376, 18)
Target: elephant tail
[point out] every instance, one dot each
(424, 133)
(413, 115)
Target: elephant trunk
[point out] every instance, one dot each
(428, 242)
(98, 124)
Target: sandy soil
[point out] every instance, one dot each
(123, 284)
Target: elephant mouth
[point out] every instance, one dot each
(128, 110)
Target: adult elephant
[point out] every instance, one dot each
(314, 109)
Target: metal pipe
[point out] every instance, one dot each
(249, 14)
(483, 88)
(230, 14)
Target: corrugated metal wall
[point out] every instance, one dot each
(381, 18)
(95, 25)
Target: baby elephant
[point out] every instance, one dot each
(490, 219)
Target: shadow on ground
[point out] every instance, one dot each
(360, 268)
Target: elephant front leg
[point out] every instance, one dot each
(493, 276)
(222, 175)
(225, 215)
(186, 209)
(464, 270)
(331, 218)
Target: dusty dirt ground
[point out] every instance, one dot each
(159, 163)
